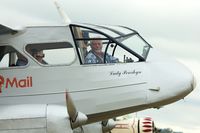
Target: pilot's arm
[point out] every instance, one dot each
(111, 59)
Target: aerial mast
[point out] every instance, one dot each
(63, 15)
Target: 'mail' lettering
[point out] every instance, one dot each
(15, 83)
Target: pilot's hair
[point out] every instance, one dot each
(34, 51)
(97, 38)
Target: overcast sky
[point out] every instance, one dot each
(172, 26)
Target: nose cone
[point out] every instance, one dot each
(181, 81)
(186, 81)
(169, 80)
(194, 83)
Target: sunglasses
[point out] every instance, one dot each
(40, 55)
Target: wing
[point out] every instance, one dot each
(34, 118)
(9, 30)
(6, 30)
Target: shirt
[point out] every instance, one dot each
(92, 58)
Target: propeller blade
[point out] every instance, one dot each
(77, 119)
(71, 107)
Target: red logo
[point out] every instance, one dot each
(15, 83)
(1, 83)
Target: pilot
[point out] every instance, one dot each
(96, 55)
(38, 55)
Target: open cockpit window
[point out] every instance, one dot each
(10, 57)
(55, 53)
(111, 44)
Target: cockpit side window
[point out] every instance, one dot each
(55, 53)
(10, 57)
(96, 48)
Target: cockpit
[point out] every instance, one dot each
(120, 42)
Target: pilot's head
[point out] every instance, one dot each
(96, 46)
(38, 54)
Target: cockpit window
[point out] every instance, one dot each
(129, 45)
(109, 44)
(59, 53)
(10, 57)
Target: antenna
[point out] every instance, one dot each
(62, 13)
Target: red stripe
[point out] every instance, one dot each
(146, 126)
(148, 118)
(146, 122)
(147, 130)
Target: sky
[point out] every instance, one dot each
(171, 26)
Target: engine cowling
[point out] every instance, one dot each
(146, 125)
(142, 125)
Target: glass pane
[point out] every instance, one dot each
(59, 53)
(121, 29)
(95, 52)
(5, 61)
(59, 56)
(121, 54)
(11, 58)
(136, 44)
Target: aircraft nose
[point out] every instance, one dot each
(186, 77)
(171, 81)
(194, 83)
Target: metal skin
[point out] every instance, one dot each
(39, 105)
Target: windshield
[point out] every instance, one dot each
(126, 37)
(136, 44)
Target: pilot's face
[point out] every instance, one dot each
(39, 56)
(96, 46)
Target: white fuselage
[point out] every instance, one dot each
(100, 91)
